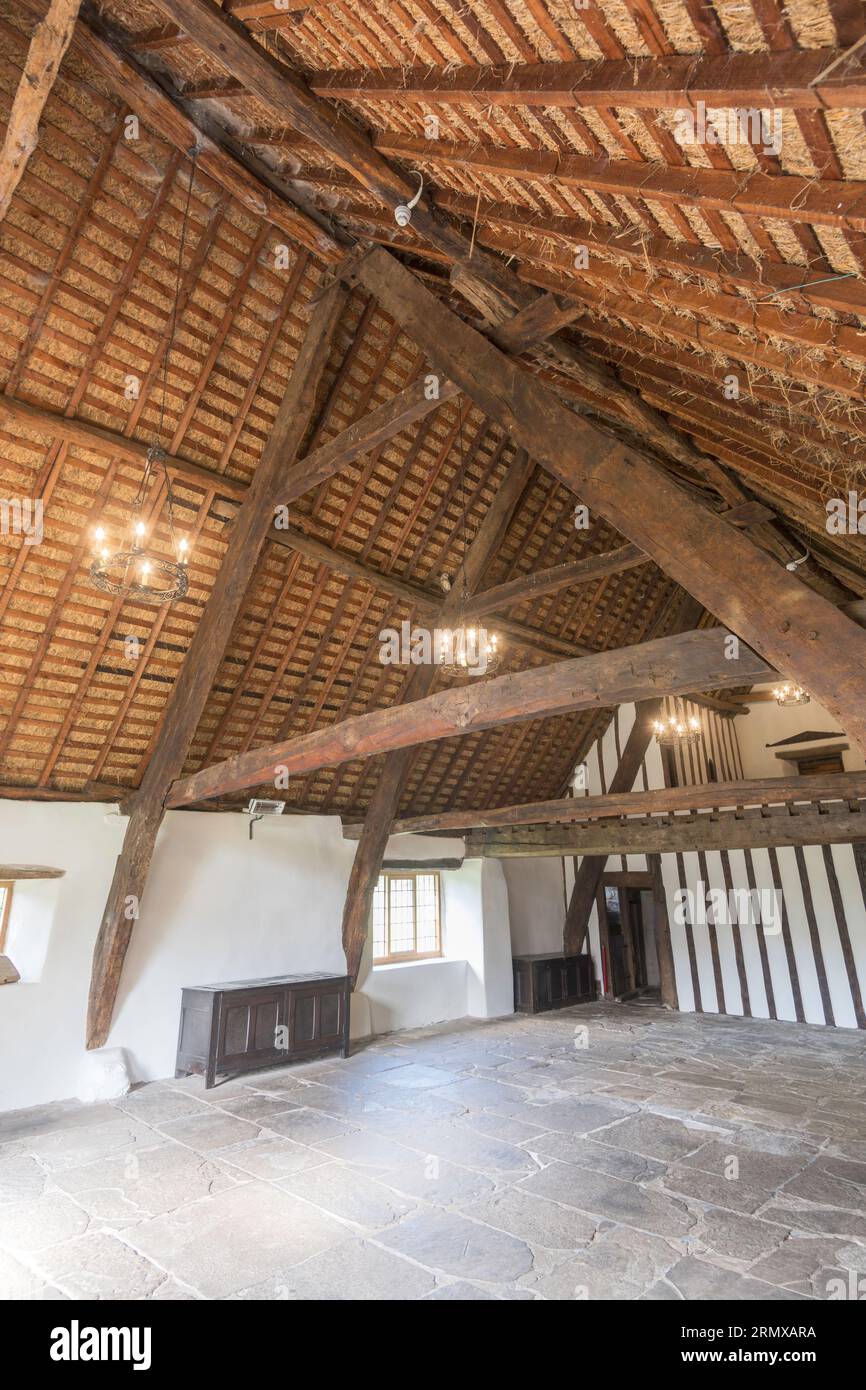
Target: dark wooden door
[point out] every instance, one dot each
(638, 936)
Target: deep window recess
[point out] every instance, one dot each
(406, 917)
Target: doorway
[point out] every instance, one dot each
(627, 935)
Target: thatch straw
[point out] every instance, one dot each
(678, 25)
(812, 23)
(568, 20)
(738, 19)
(837, 250)
(546, 49)
(619, 18)
(849, 139)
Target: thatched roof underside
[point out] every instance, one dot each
(88, 255)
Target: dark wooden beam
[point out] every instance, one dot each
(47, 47)
(668, 666)
(113, 444)
(370, 432)
(216, 158)
(374, 429)
(193, 685)
(588, 873)
(751, 791)
(784, 79)
(420, 865)
(15, 793)
(800, 633)
(13, 873)
(662, 934)
(792, 197)
(541, 643)
(550, 581)
(758, 829)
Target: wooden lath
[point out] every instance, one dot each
(819, 202)
(791, 79)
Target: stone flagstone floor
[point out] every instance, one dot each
(610, 1151)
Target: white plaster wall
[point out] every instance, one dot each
(217, 907)
(767, 722)
(415, 993)
(536, 903)
(497, 995)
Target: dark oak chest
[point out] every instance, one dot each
(551, 982)
(243, 1025)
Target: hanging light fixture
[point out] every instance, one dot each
(468, 651)
(679, 728)
(788, 694)
(464, 649)
(131, 569)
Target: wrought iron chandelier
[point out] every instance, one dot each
(791, 695)
(468, 651)
(679, 728)
(132, 569)
(464, 649)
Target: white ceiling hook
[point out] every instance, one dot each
(403, 213)
(793, 565)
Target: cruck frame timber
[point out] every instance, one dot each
(192, 687)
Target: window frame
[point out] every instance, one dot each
(401, 957)
(8, 884)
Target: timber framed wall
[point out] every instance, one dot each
(812, 971)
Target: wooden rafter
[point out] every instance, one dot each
(50, 41)
(217, 155)
(340, 615)
(495, 290)
(793, 78)
(481, 277)
(774, 282)
(820, 202)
